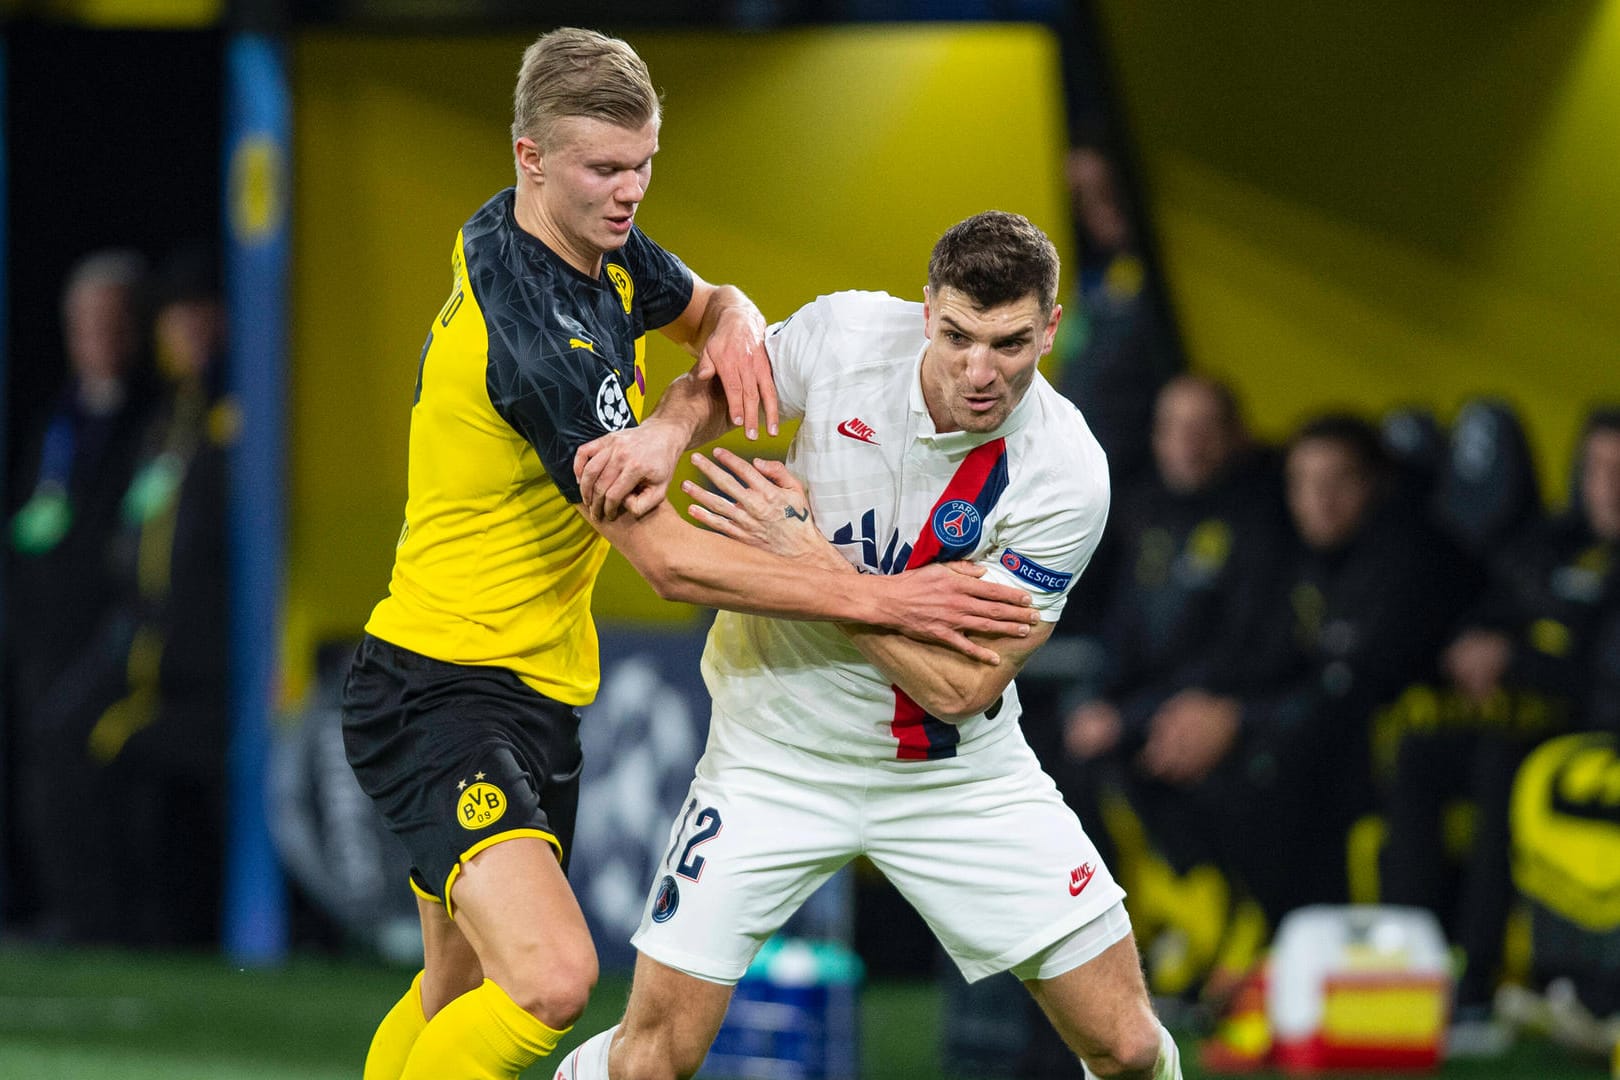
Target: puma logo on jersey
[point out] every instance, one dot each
(859, 430)
(1079, 878)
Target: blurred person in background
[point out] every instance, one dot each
(460, 708)
(1261, 769)
(75, 478)
(1196, 547)
(157, 667)
(1120, 350)
(62, 580)
(1116, 350)
(1519, 671)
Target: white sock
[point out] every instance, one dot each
(589, 1060)
(1169, 1057)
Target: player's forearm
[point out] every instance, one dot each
(950, 686)
(696, 408)
(692, 566)
(725, 303)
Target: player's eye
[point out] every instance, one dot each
(956, 337)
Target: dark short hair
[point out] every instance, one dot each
(1604, 418)
(1354, 433)
(1219, 391)
(995, 258)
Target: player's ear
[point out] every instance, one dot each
(928, 314)
(1050, 333)
(530, 162)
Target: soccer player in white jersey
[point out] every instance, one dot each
(926, 434)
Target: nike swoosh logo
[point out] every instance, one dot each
(845, 430)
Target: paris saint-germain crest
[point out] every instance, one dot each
(667, 900)
(957, 524)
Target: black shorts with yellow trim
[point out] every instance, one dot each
(457, 758)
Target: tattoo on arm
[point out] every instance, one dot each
(796, 514)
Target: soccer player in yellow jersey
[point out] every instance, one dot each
(460, 707)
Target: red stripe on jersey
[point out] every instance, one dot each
(923, 737)
(908, 728)
(966, 485)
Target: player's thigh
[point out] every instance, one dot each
(762, 826)
(1102, 1005)
(517, 912)
(985, 849)
(671, 1021)
(450, 966)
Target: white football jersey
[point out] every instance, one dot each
(1026, 501)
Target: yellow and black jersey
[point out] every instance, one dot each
(527, 361)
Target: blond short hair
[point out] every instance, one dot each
(573, 72)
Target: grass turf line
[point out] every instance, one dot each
(90, 1015)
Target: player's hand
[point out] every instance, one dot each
(1189, 736)
(627, 471)
(942, 601)
(1092, 730)
(760, 504)
(735, 351)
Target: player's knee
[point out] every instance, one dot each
(554, 989)
(1131, 1053)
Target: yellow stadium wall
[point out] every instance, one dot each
(1380, 204)
(791, 165)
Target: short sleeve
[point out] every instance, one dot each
(559, 396)
(1045, 551)
(662, 283)
(795, 345)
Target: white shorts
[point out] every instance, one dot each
(981, 845)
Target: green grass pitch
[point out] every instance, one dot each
(116, 1016)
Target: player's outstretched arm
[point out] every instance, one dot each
(726, 332)
(937, 604)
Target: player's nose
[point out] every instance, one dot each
(981, 368)
(631, 190)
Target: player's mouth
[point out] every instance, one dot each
(982, 404)
(621, 223)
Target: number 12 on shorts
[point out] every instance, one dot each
(697, 827)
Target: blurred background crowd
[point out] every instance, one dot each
(1314, 660)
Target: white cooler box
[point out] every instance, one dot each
(1358, 987)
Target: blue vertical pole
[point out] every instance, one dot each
(257, 147)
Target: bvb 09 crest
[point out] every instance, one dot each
(480, 805)
(622, 284)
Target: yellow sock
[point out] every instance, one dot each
(395, 1036)
(482, 1035)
